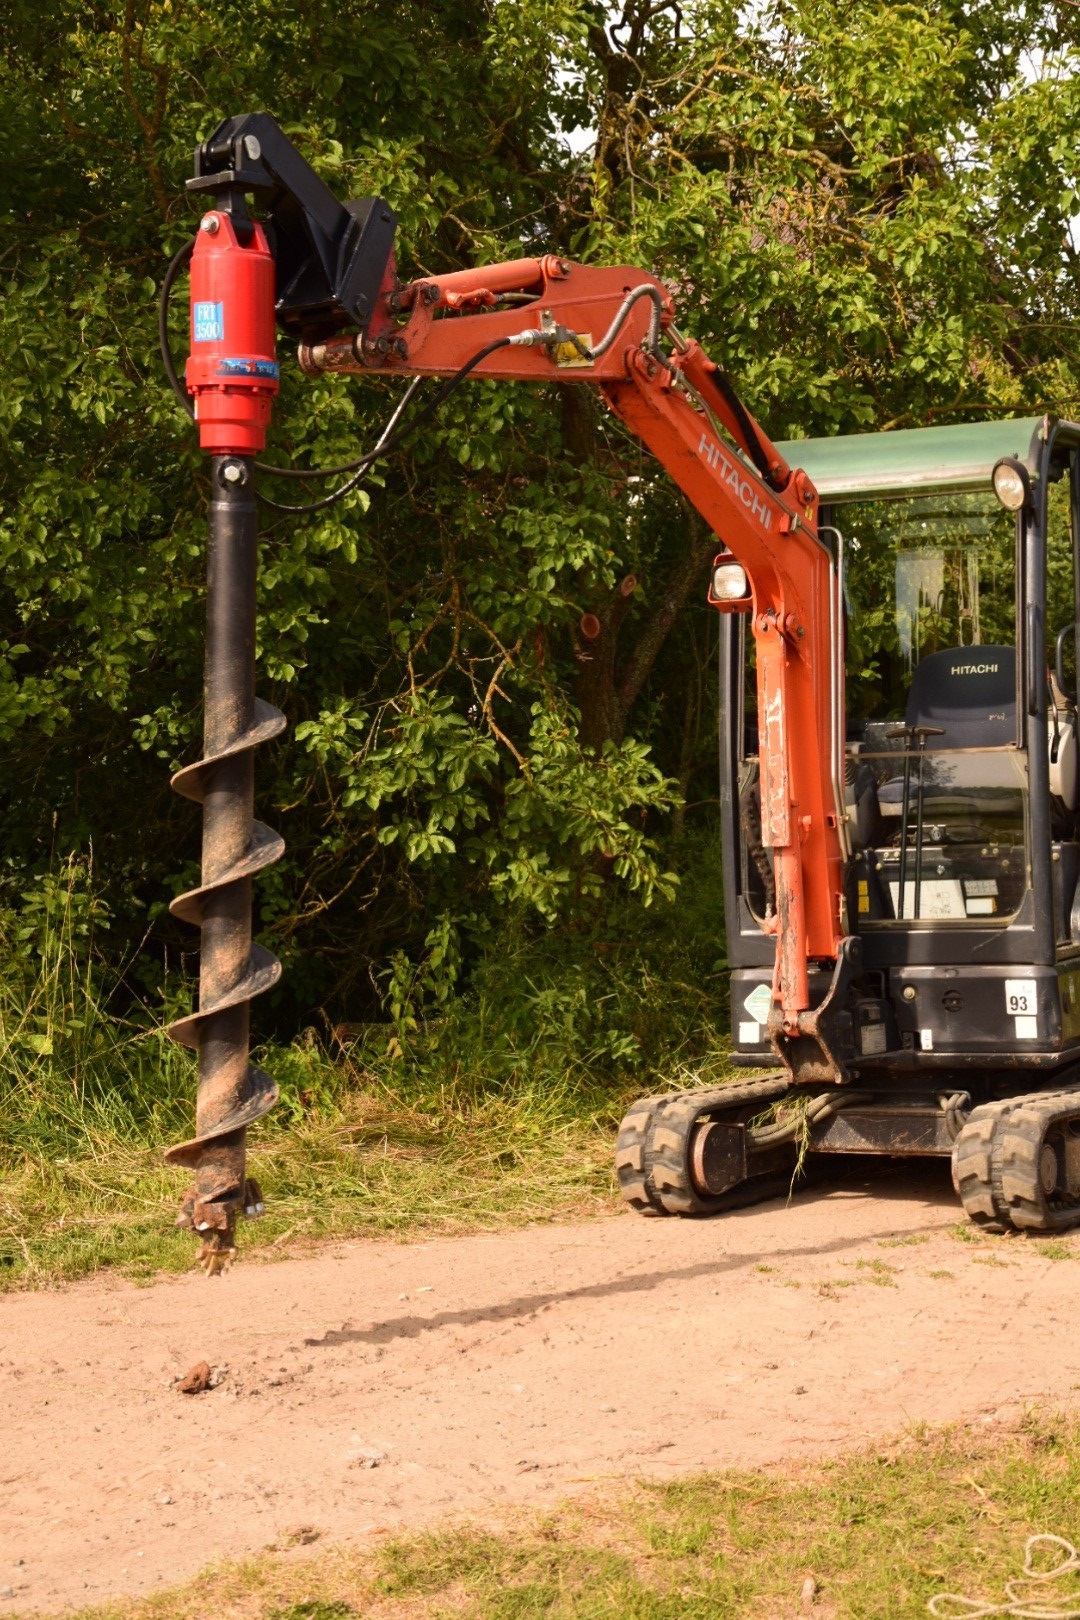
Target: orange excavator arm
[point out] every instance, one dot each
(544, 320)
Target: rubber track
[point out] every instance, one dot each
(652, 1151)
(973, 1166)
(996, 1163)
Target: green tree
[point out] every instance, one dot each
(864, 212)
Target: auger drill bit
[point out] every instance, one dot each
(332, 261)
(233, 376)
(232, 1092)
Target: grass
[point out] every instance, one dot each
(370, 1163)
(877, 1533)
(497, 1105)
(494, 1109)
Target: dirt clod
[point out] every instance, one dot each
(197, 1380)
(303, 1535)
(368, 1457)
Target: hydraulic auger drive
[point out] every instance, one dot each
(325, 273)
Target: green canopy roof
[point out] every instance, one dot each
(862, 466)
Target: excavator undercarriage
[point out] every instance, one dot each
(1015, 1160)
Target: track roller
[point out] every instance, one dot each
(687, 1153)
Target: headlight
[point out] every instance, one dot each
(729, 582)
(1012, 486)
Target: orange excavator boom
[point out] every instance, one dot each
(323, 272)
(548, 320)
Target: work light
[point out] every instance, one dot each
(1012, 486)
(729, 582)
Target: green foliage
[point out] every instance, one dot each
(626, 1000)
(65, 1055)
(864, 211)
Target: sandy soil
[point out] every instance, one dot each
(493, 1370)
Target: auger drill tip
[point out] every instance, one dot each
(214, 1259)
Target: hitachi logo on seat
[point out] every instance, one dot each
(973, 669)
(734, 476)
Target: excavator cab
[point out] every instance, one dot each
(957, 553)
(960, 752)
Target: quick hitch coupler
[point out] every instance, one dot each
(233, 376)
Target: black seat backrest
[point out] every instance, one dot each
(970, 692)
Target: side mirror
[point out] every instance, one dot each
(1066, 687)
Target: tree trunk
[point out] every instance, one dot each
(606, 692)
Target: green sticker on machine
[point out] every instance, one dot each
(759, 1003)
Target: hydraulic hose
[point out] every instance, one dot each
(796, 1123)
(754, 447)
(647, 290)
(389, 442)
(179, 261)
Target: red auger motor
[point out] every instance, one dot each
(231, 371)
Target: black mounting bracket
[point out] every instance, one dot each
(331, 257)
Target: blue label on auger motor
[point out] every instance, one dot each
(248, 368)
(208, 324)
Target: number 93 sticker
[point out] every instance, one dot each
(1021, 1004)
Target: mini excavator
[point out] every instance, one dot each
(900, 778)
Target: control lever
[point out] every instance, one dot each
(919, 735)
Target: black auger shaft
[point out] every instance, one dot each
(231, 1093)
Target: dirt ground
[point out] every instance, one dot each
(383, 1385)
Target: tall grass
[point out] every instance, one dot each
(496, 1102)
(73, 1068)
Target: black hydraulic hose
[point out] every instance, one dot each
(386, 447)
(754, 447)
(364, 463)
(178, 262)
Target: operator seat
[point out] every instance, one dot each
(970, 694)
